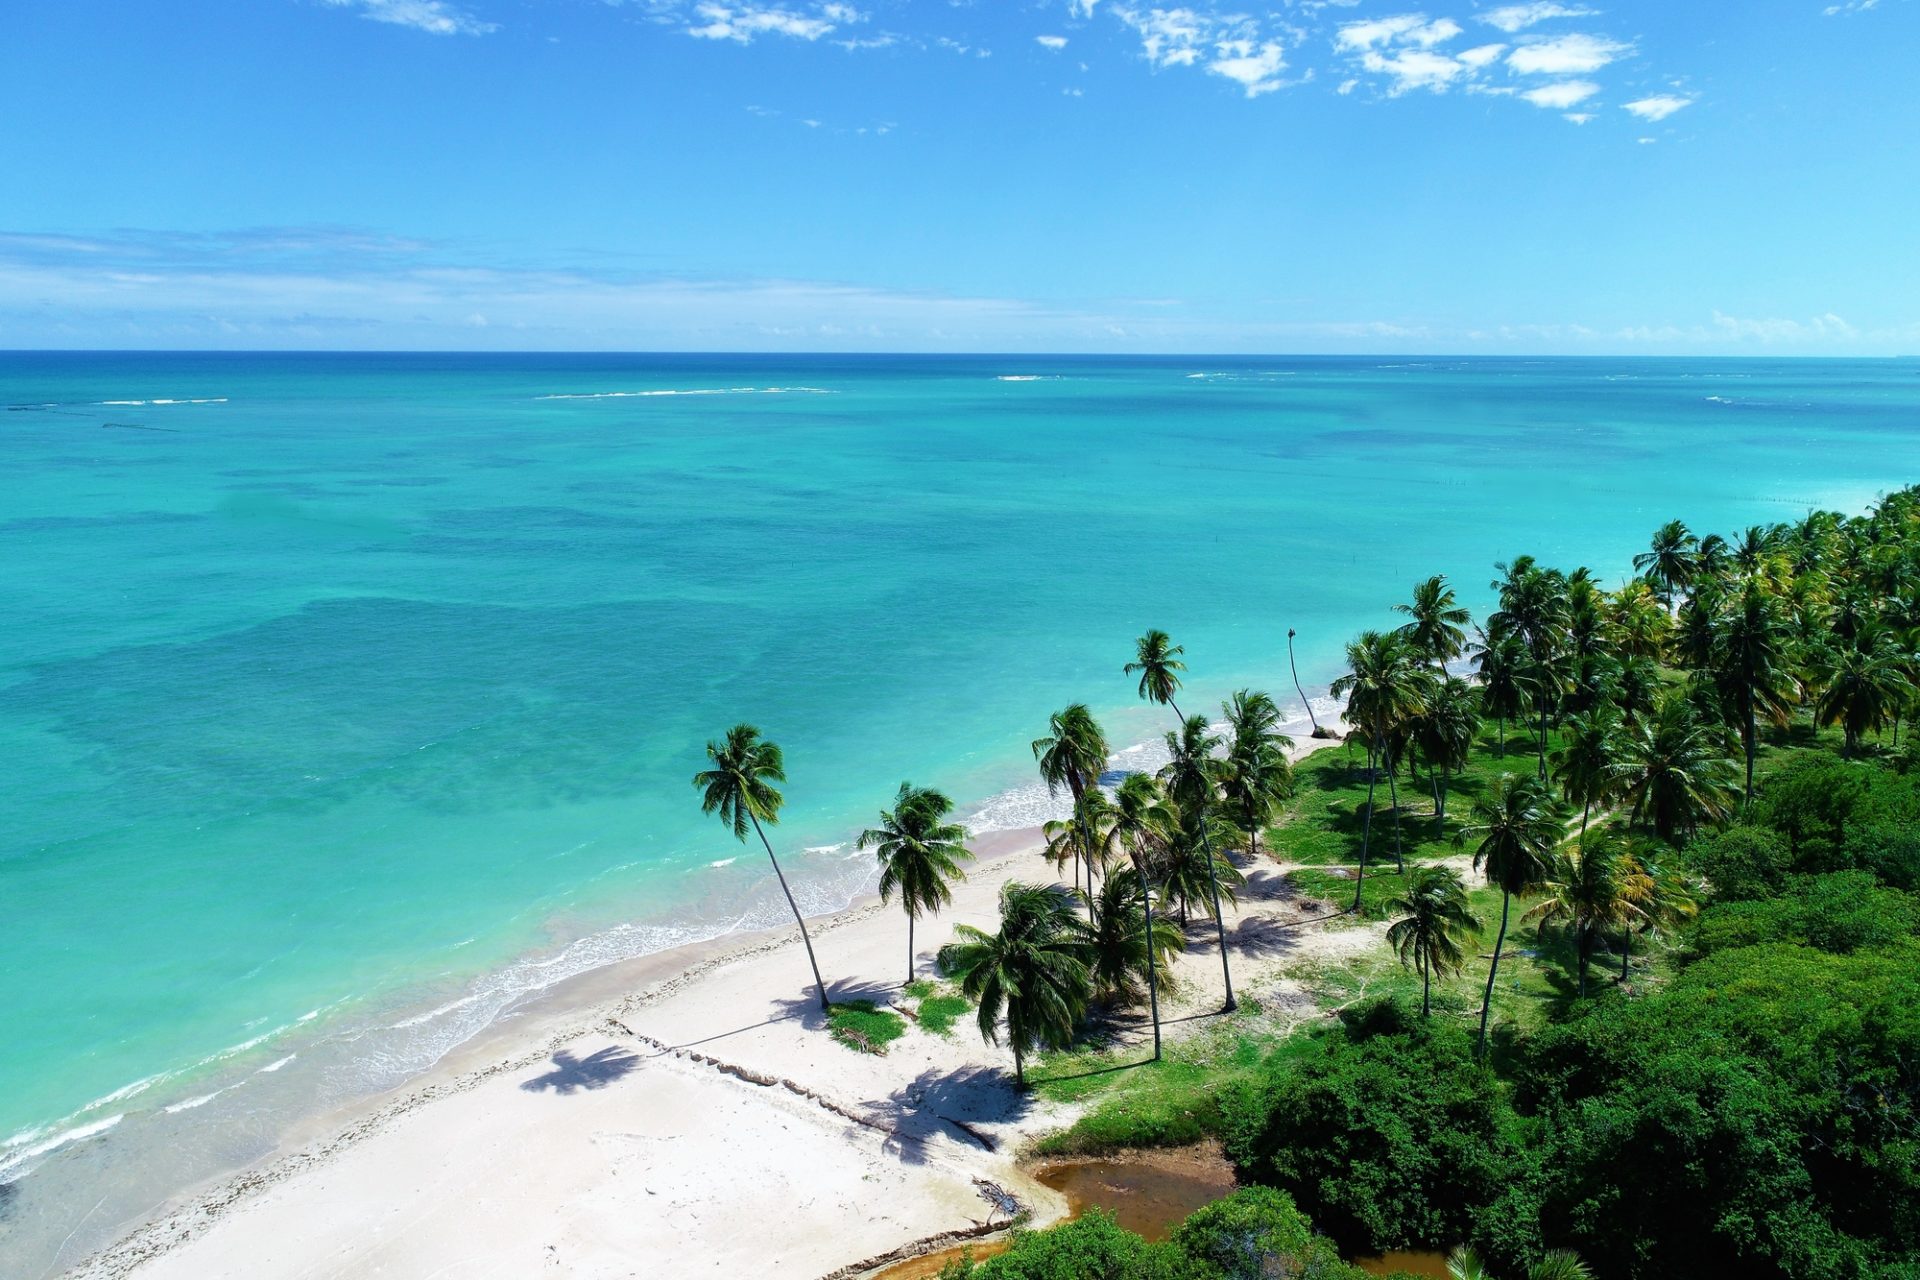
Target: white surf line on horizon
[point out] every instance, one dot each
(692, 391)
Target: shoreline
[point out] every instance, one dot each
(594, 1009)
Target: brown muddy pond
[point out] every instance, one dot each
(1413, 1264)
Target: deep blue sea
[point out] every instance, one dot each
(347, 700)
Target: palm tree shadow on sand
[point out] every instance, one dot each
(575, 1075)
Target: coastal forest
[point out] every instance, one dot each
(1645, 867)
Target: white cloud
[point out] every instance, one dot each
(1851, 6)
(1580, 117)
(742, 22)
(1347, 87)
(1564, 94)
(1056, 43)
(1080, 8)
(435, 17)
(1411, 69)
(1256, 68)
(1168, 37)
(1658, 107)
(1407, 28)
(1769, 331)
(1568, 55)
(1518, 17)
(1482, 55)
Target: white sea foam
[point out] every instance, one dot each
(724, 862)
(690, 391)
(189, 1104)
(276, 1065)
(33, 1150)
(824, 848)
(1027, 377)
(129, 403)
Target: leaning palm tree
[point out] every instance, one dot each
(1258, 776)
(1034, 970)
(1119, 937)
(920, 854)
(1437, 624)
(1318, 730)
(1191, 772)
(740, 789)
(1587, 894)
(1141, 824)
(1516, 829)
(1385, 688)
(1434, 926)
(1677, 772)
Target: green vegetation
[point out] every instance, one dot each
(940, 1014)
(863, 1025)
(1253, 1233)
(920, 854)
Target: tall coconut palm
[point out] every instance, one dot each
(1676, 771)
(1385, 687)
(920, 854)
(1515, 829)
(1119, 938)
(1660, 897)
(1141, 823)
(1073, 755)
(1587, 762)
(1445, 734)
(1192, 871)
(1294, 667)
(1258, 776)
(1671, 561)
(1752, 663)
(740, 788)
(1586, 893)
(1861, 684)
(1035, 970)
(1191, 773)
(1436, 626)
(1638, 622)
(1434, 927)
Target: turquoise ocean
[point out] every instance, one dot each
(347, 702)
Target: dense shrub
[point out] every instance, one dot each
(1742, 862)
(1843, 911)
(1387, 1139)
(1092, 1247)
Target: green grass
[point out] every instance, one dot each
(939, 1014)
(920, 988)
(863, 1026)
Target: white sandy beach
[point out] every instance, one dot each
(687, 1115)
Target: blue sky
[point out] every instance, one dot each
(1658, 177)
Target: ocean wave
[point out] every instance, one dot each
(690, 391)
(131, 403)
(193, 1103)
(271, 1067)
(1027, 377)
(33, 1150)
(724, 862)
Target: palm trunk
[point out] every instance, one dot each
(909, 950)
(1213, 887)
(1153, 977)
(1366, 832)
(1503, 737)
(1543, 744)
(1311, 718)
(1426, 987)
(1486, 1001)
(1019, 1069)
(792, 906)
(1586, 954)
(1751, 731)
(1439, 811)
(1393, 792)
(1626, 953)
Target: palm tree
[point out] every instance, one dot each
(1445, 734)
(1861, 685)
(1258, 776)
(740, 789)
(1035, 970)
(1294, 667)
(1586, 764)
(1660, 898)
(1073, 755)
(1675, 771)
(1191, 772)
(1586, 893)
(1192, 871)
(1437, 626)
(1556, 1264)
(1752, 664)
(1517, 830)
(920, 854)
(1501, 662)
(1671, 561)
(1385, 687)
(1434, 927)
(1141, 822)
(1638, 621)
(1119, 937)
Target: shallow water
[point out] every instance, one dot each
(349, 700)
